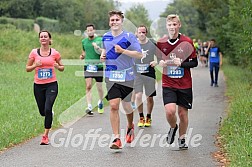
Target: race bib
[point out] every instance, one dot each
(92, 68)
(212, 54)
(175, 72)
(117, 76)
(45, 73)
(142, 68)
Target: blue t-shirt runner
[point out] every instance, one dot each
(119, 67)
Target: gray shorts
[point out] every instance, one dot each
(147, 82)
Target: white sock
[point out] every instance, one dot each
(182, 136)
(90, 106)
(100, 102)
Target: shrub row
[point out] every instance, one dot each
(28, 24)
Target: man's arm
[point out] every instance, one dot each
(131, 53)
(206, 52)
(83, 54)
(220, 58)
(192, 63)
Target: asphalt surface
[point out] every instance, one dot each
(86, 142)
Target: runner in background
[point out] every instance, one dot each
(145, 76)
(93, 68)
(215, 61)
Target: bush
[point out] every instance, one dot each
(48, 24)
(23, 24)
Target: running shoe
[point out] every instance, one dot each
(44, 141)
(89, 112)
(116, 144)
(141, 122)
(147, 122)
(171, 135)
(130, 134)
(182, 144)
(100, 108)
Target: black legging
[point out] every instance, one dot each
(45, 95)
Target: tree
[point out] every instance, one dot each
(188, 14)
(17, 9)
(72, 15)
(137, 15)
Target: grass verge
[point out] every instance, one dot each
(236, 130)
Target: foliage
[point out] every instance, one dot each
(188, 15)
(48, 24)
(17, 44)
(138, 15)
(227, 23)
(24, 24)
(72, 15)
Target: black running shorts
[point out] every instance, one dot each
(182, 97)
(98, 76)
(121, 90)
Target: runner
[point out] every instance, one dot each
(177, 55)
(44, 60)
(215, 61)
(93, 69)
(145, 76)
(204, 56)
(120, 49)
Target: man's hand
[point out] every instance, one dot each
(153, 64)
(177, 61)
(82, 57)
(163, 63)
(119, 49)
(103, 55)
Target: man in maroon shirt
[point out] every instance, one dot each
(177, 55)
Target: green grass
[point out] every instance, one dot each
(236, 130)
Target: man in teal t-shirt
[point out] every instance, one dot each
(93, 68)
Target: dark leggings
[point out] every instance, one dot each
(45, 95)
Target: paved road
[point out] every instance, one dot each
(86, 143)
